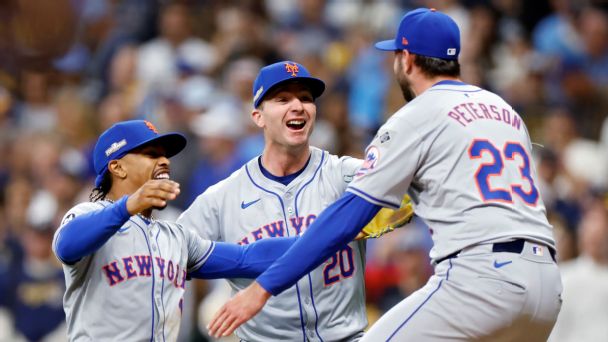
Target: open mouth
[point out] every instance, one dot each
(164, 174)
(296, 124)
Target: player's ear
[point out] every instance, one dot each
(116, 168)
(408, 61)
(257, 117)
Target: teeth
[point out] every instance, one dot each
(295, 122)
(162, 176)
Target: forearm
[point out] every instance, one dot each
(88, 232)
(334, 228)
(235, 261)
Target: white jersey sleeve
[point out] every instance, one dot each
(203, 216)
(400, 151)
(343, 169)
(199, 249)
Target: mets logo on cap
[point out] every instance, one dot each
(151, 126)
(292, 68)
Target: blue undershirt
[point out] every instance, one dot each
(336, 226)
(86, 233)
(285, 180)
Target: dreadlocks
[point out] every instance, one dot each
(99, 193)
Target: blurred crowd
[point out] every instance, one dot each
(70, 69)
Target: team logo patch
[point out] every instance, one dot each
(115, 147)
(384, 137)
(151, 126)
(371, 159)
(537, 250)
(292, 68)
(404, 41)
(451, 52)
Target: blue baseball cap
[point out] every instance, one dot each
(275, 74)
(426, 32)
(125, 136)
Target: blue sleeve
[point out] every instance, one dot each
(86, 233)
(235, 261)
(334, 228)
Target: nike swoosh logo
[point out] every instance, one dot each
(501, 264)
(245, 205)
(123, 229)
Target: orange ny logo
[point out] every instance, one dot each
(151, 126)
(292, 68)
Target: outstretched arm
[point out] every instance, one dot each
(86, 233)
(234, 261)
(335, 227)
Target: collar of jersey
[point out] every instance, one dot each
(449, 82)
(285, 180)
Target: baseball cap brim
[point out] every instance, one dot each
(316, 86)
(172, 142)
(387, 45)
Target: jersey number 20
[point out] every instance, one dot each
(495, 169)
(343, 259)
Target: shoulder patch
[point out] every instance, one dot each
(372, 155)
(384, 137)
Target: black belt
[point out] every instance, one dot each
(515, 246)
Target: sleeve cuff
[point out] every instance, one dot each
(371, 199)
(121, 205)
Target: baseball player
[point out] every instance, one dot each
(280, 193)
(464, 156)
(125, 271)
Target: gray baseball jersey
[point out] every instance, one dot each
(463, 155)
(131, 288)
(329, 303)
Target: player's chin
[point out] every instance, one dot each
(298, 134)
(160, 208)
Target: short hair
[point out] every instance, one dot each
(433, 67)
(99, 193)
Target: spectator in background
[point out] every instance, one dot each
(144, 59)
(410, 257)
(160, 59)
(557, 189)
(218, 132)
(35, 113)
(576, 152)
(37, 288)
(584, 314)
(33, 288)
(369, 82)
(238, 77)
(192, 96)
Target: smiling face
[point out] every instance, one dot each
(287, 116)
(139, 166)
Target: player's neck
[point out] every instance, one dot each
(423, 83)
(282, 162)
(115, 194)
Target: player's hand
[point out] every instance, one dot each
(155, 193)
(238, 310)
